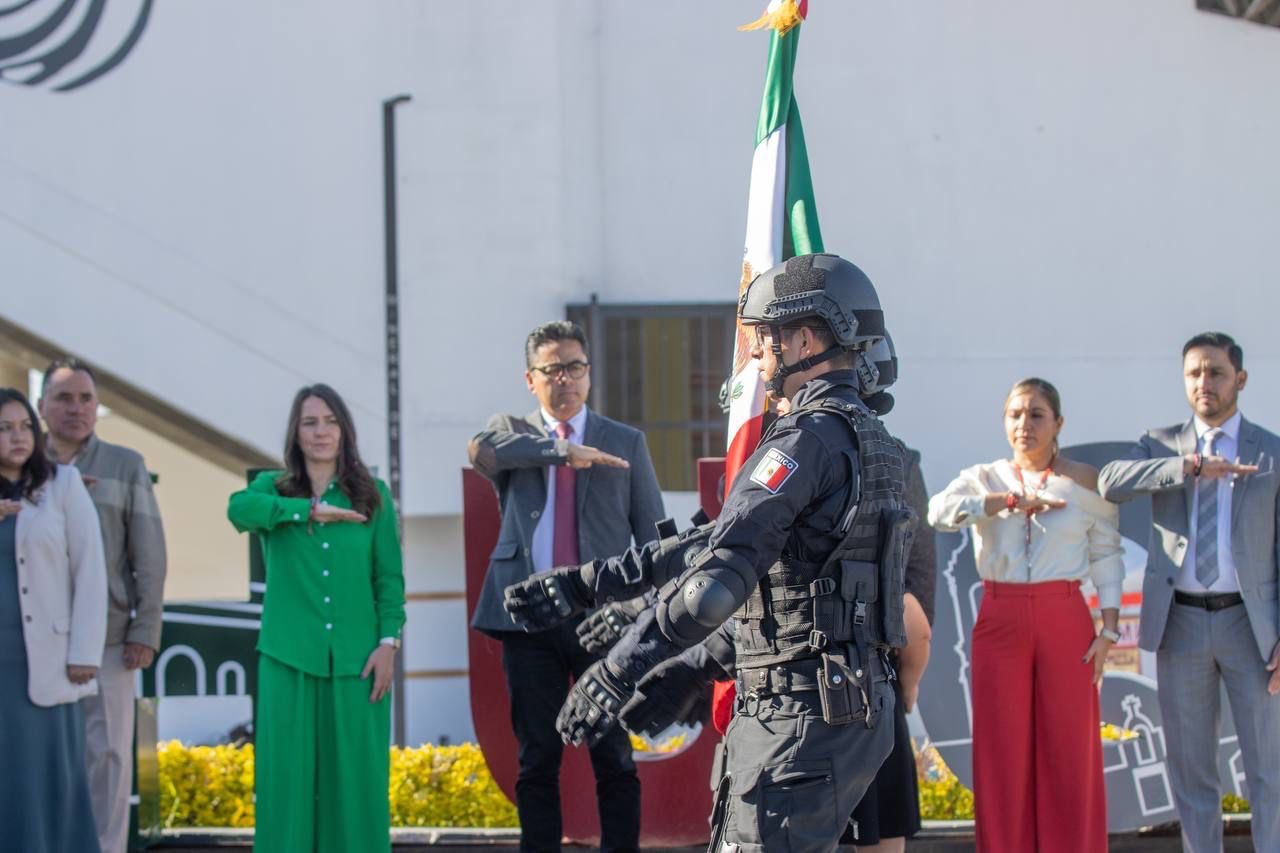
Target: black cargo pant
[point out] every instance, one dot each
(792, 779)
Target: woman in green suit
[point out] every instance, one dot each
(331, 622)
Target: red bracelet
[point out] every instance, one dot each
(1011, 501)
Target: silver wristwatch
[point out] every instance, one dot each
(1108, 634)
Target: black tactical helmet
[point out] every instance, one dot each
(877, 370)
(816, 287)
(884, 358)
(825, 288)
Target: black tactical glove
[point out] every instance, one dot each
(599, 631)
(677, 691)
(591, 710)
(547, 599)
(642, 567)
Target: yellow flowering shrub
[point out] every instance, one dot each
(446, 786)
(1231, 804)
(942, 797)
(206, 785)
(430, 786)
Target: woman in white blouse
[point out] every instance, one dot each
(1039, 529)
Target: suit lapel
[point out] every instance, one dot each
(1187, 444)
(591, 438)
(539, 427)
(1247, 450)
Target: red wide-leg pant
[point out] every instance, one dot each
(1037, 752)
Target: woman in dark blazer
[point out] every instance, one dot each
(53, 624)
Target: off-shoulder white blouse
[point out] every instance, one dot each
(1079, 541)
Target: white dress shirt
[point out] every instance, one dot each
(544, 533)
(1077, 542)
(1227, 580)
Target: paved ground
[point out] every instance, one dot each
(942, 838)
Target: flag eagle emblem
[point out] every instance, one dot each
(774, 469)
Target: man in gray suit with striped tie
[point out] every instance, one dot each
(573, 486)
(1209, 602)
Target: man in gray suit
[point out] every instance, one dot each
(573, 486)
(1209, 607)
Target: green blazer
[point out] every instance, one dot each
(333, 590)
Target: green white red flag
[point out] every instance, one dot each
(782, 221)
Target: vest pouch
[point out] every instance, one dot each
(843, 696)
(860, 589)
(897, 527)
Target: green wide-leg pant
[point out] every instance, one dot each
(321, 764)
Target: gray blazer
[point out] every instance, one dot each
(1154, 468)
(614, 504)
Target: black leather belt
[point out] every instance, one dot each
(792, 677)
(1211, 601)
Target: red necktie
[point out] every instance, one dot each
(564, 542)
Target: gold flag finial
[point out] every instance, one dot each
(781, 15)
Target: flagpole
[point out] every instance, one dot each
(392, 304)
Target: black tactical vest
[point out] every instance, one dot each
(800, 609)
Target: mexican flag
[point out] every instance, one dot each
(782, 222)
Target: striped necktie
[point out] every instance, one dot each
(1207, 518)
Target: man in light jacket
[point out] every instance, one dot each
(133, 541)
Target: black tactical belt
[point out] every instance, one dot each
(792, 677)
(1210, 602)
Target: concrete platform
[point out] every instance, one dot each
(938, 837)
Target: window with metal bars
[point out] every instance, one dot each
(659, 368)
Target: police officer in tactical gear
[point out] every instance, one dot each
(675, 692)
(807, 553)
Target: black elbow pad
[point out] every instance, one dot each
(706, 597)
(708, 601)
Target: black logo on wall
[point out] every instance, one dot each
(63, 45)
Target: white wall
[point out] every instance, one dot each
(1068, 190)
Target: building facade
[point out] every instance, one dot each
(1062, 190)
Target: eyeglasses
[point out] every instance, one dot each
(574, 370)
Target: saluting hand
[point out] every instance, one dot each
(1213, 467)
(8, 508)
(581, 456)
(1033, 504)
(328, 512)
(1030, 504)
(382, 663)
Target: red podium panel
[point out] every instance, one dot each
(675, 791)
